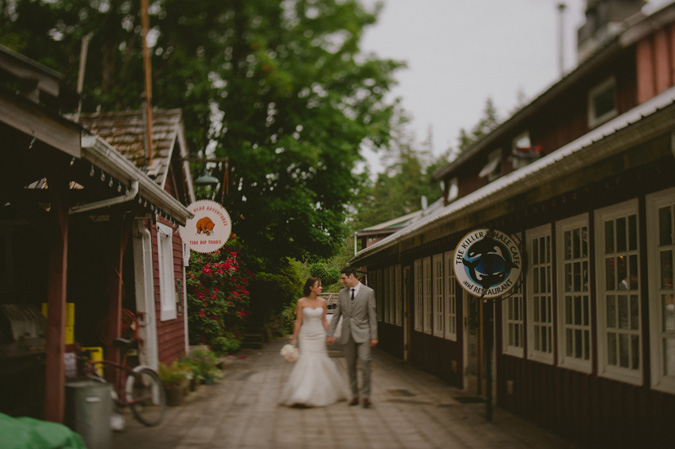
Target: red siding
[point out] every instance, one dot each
(171, 334)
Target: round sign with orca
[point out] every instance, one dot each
(209, 229)
(487, 263)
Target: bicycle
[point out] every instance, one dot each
(140, 387)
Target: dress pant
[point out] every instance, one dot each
(358, 352)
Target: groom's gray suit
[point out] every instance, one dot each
(359, 327)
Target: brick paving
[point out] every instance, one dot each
(411, 409)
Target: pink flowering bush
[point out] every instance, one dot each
(218, 299)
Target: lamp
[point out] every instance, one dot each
(206, 180)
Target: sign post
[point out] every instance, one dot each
(487, 265)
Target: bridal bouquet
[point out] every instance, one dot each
(290, 353)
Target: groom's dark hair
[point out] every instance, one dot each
(347, 271)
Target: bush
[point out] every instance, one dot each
(218, 299)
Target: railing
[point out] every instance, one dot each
(331, 300)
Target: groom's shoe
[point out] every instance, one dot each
(354, 401)
(366, 403)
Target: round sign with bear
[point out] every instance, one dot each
(209, 229)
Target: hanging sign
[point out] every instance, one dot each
(487, 263)
(209, 229)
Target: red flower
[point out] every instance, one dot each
(214, 318)
(202, 313)
(230, 303)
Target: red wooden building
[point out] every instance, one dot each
(84, 230)
(584, 177)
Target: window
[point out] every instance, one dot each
(512, 312)
(167, 292)
(438, 295)
(602, 103)
(398, 295)
(390, 296)
(375, 278)
(522, 151)
(453, 189)
(419, 306)
(574, 303)
(619, 340)
(540, 294)
(661, 251)
(493, 169)
(451, 292)
(386, 290)
(426, 290)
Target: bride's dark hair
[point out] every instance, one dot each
(311, 281)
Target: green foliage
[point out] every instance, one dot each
(328, 274)
(175, 374)
(218, 299)
(486, 124)
(272, 292)
(203, 362)
(281, 88)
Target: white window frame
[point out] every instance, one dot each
(426, 295)
(568, 327)
(418, 294)
(398, 298)
(386, 290)
(450, 297)
(660, 293)
(167, 289)
(605, 369)
(453, 189)
(438, 324)
(540, 292)
(593, 119)
(513, 322)
(493, 168)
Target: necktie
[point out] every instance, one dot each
(352, 294)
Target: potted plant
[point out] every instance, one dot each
(196, 377)
(174, 378)
(206, 362)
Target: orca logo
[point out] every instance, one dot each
(487, 263)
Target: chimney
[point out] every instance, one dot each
(604, 21)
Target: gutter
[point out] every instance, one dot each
(130, 195)
(103, 155)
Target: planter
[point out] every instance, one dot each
(175, 394)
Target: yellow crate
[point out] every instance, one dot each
(95, 355)
(70, 313)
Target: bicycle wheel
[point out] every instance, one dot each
(145, 396)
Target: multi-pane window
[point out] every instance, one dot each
(618, 293)
(450, 296)
(438, 295)
(392, 302)
(602, 102)
(387, 291)
(398, 295)
(417, 299)
(167, 290)
(512, 308)
(661, 250)
(574, 303)
(426, 290)
(540, 294)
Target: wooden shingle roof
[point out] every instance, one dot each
(125, 131)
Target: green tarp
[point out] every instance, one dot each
(29, 433)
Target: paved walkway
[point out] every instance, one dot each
(411, 409)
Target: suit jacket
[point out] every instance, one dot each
(359, 317)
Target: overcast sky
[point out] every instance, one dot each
(460, 52)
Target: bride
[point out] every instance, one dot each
(314, 380)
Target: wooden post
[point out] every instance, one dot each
(55, 346)
(121, 226)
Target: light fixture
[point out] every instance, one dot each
(206, 180)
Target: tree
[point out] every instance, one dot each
(487, 123)
(406, 179)
(280, 88)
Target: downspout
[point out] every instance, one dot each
(130, 195)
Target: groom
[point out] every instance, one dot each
(356, 306)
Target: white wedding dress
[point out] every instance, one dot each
(314, 380)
